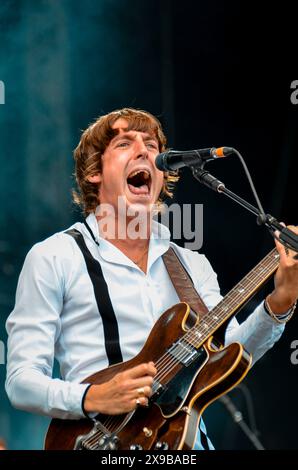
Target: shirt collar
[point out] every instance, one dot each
(158, 245)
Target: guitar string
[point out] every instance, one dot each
(209, 323)
(95, 437)
(172, 359)
(110, 420)
(213, 319)
(233, 297)
(161, 371)
(184, 354)
(167, 360)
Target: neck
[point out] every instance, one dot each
(131, 235)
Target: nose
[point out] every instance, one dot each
(141, 149)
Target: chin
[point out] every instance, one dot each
(138, 207)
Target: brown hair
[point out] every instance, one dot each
(95, 140)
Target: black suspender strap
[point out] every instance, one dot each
(104, 304)
(90, 231)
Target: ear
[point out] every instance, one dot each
(94, 178)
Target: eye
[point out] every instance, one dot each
(152, 145)
(122, 144)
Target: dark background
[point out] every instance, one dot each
(215, 73)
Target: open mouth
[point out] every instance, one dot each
(139, 182)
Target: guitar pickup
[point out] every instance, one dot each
(184, 352)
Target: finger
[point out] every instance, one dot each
(144, 391)
(293, 253)
(281, 251)
(279, 246)
(141, 401)
(293, 228)
(146, 369)
(140, 387)
(290, 228)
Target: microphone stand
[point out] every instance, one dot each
(238, 418)
(286, 236)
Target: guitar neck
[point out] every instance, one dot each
(234, 300)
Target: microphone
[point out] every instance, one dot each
(174, 159)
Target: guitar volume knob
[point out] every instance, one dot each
(161, 446)
(136, 447)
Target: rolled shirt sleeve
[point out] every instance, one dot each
(258, 333)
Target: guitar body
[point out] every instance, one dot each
(182, 393)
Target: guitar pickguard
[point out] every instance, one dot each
(172, 399)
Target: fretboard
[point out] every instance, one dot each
(234, 300)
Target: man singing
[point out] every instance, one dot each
(89, 296)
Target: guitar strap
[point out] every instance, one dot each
(183, 284)
(187, 293)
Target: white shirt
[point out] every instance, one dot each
(56, 315)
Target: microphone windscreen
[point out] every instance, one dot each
(160, 162)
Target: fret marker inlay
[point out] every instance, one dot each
(235, 298)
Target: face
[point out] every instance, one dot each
(128, 170)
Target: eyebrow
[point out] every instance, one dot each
(127, 135)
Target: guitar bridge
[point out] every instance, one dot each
(100, 437)
(96, 439)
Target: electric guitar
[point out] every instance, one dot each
(193, 369)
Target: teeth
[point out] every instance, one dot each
(146, 174)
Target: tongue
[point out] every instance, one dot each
(139, 190)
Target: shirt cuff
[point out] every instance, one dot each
(78, 393)
(87, 415)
